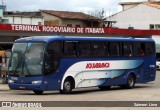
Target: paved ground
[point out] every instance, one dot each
(142, 92)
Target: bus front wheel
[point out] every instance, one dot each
(67, 87)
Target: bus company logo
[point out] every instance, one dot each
(6, 104)
(97, 65)
(21, 104)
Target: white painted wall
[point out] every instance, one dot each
(139, 17)
(24, 20)
(127, 6)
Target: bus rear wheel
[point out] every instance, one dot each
(130, 82)
(37, 92)
(67, 87)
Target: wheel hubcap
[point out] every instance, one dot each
(130, 81)
(67, 86)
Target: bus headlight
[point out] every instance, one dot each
(10, 81)
(36, 82)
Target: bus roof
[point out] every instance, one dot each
(72, 38)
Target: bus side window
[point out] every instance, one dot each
(143, 51)
(114, 49)
(54, 52)
(70, 49)
(127, 49)
(106, 49)
(98, 49)
(137, 49)
(149, 47)
(84, 49)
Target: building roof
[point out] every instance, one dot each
(22, 14)
(71, 15)
(153, 4)
(130, 3)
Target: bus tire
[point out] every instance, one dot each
(67, 87)
(104, 87)
(130, 82)
(37, 92)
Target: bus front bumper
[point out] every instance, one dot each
(16, 86)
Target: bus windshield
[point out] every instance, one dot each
(27, 59)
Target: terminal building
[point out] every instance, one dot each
(40, 18)
(139, 15)
(135, 15)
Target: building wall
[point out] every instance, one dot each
(56, 21)
(51, 20)
(37, 21)
(1, 13)
(154, 0)
(74, 23)
(24, 20)
(127, 6)
(139, 17)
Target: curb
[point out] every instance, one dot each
(4, 87)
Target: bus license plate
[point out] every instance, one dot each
(22, 87)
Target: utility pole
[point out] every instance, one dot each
(2, 2)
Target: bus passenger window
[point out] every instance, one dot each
(70, 49)
(137, 49)
(106, 49)
(142, 53)
(54, 55)
(149, 48)
(127, 49)
(98, 49)
(84, 49)
(114, 49)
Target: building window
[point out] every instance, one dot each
(157, 26)
(77, 25)
(69, 25)
(151, 26)
(39, 23)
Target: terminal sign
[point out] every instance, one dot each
(59, 29)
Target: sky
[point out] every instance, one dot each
(87, 6)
